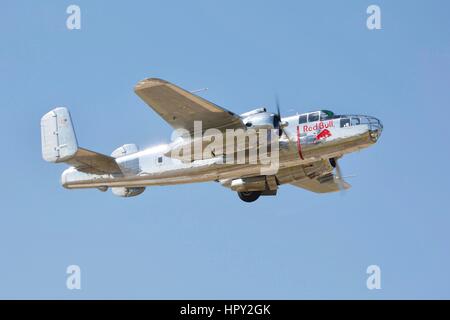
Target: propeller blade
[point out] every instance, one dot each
(339, 176)
(278, 116)
(277, 102)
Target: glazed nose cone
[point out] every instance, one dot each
(375, 128)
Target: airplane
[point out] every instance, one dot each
(309, 146)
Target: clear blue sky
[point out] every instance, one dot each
(201, 241)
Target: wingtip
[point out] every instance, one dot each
(149, 82)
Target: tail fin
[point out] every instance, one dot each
(59, 144)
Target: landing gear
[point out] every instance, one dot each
(333, 162)
(249, 196)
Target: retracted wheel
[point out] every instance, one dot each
(249, 196)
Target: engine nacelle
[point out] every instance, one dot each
(261, 120)
(260, 183)
(127, 192)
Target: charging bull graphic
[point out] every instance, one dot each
(325, 133)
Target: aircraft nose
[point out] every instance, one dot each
(375, 128)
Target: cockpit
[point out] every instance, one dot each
(373, 124)
(322, 115)
(346, 120)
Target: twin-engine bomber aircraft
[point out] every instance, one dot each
(304, 149)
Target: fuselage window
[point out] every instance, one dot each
(160, 159)
(345, 122)
(313, 117)
(303, 119)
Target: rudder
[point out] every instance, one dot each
(59, 142)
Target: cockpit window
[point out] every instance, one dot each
(303, 119)
(313, 117)
(345, 122)
(325, 115)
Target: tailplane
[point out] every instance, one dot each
(59, 144)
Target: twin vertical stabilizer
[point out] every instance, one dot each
(59, 142)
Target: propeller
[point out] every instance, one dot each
(277, 119)
(277, 116)
(339, 177)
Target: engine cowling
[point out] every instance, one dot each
(259, 183)
(126, 192)
(261, 120)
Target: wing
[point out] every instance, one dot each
(92, 162)
(181, 108)
(318, 186)
(316, 177)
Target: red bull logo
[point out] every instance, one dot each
(325, 133)
(318, 126)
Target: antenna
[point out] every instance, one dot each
(199, 90)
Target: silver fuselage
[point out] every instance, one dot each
(300, 144)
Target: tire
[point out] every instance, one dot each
(249, 196)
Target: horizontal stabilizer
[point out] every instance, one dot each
(92, 162)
